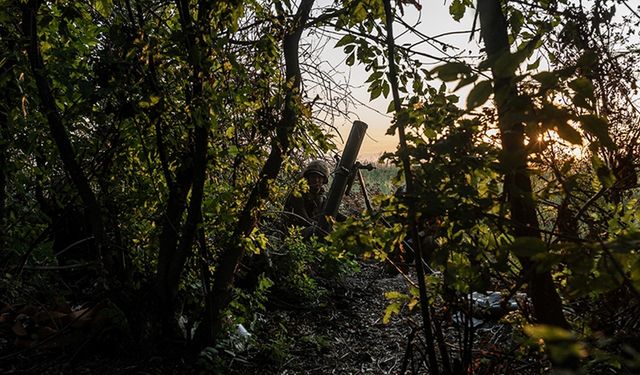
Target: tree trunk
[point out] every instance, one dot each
(8, 98)
(60, 135)
(171, 224)
(176, 244)
(220, 295)
(517, 182)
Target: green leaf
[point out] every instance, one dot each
(560, 344)
(393, 308)
(581, 101)
(582, 86)
(230, 132)
(347, 39)
(375, 92)
(351, 59)
(358, 14)
(516, 20)
(374, 76)
(429, 133)
(385, 88)
(104, 7)
(599, 127)
(605, 176)
(588, 60)
(583, 90)
(548, 333)
(457, 9)
(395, 295)
(466, 81)
(391, 107)
(150, 102)
(547, 79)
(568, 133)
(479, 94)
(534, 65)
(233, 150)
(452, 71)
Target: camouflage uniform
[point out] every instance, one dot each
(309, 205)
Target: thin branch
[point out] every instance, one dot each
(630, 8)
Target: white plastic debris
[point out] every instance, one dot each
(242, 332)
(241, 338)
(488, 307)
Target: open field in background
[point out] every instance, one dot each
(379, 181)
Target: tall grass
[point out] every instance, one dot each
(381, 180)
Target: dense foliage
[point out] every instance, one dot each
(143, 143)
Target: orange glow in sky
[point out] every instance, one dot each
(433, 20)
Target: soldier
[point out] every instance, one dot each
(309, 206)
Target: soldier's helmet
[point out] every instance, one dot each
(318, 167)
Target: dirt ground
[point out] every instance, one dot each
(341, 333)
(347, 335)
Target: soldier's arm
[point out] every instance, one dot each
(296, 205)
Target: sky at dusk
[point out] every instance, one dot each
(434, 19)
